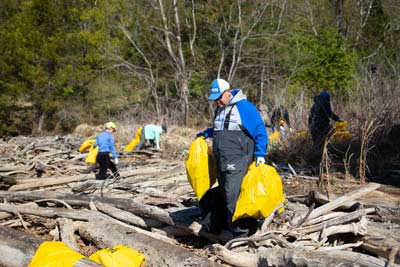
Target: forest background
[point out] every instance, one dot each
(67, 62)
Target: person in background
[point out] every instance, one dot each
(106, 144)
(282, 128)
(279, 114)
(239, 137)
(151, 135)
(319, 119)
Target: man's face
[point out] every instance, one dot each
(223, 101)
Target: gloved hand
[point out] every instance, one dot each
(202, 133)
(260, 160)
(116, 161)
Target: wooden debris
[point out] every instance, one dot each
(157, 253)
(153, 209)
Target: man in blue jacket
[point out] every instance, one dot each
(239, 136)
(105, 142)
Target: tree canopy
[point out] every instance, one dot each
(65, 62)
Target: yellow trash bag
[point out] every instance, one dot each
(340, 132)
(200, 167)
(91, 158)
(55, 254)
(302, 134)
(118, 256)
(260, 194)
(86, 145)
(274, 137)
(134, 141)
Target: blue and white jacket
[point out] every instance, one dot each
(244, 115)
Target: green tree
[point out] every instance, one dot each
(323, 62)
(46, 58)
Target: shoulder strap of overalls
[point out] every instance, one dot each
(227, 118)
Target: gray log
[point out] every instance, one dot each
(349, 197)
(139, 209)
(283, 257)
(157, 253)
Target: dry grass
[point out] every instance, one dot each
(88, 131)
(174, 144)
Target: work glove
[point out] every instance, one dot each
(202, 133)
(116, 161)
(260, 160)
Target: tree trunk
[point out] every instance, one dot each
(339, 6)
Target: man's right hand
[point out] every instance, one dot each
(202, 133)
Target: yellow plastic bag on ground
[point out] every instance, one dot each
(260, 194)
(340, 132)
(91, 158)
(118, 256)
(55, 254)
(86, 145)
(134, 141)
(274, 137)
(200, 167)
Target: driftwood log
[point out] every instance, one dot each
(296, 257)
(158, 253)
(20, 248)
(84, 200)
(153, 202)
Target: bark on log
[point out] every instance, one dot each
(135, 229)
(299, 257)
(127, 217)
(372, 199)
(69, 179)
(381, 242)
(336, 221)
(67, 233)
(359, 228)
(5, 215)
(18, 248)
(83, 215)
(158, 253)
(140, 209)
(50, 182)
(349, 197)
(296, 257)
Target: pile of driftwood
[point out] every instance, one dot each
(152, 209)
